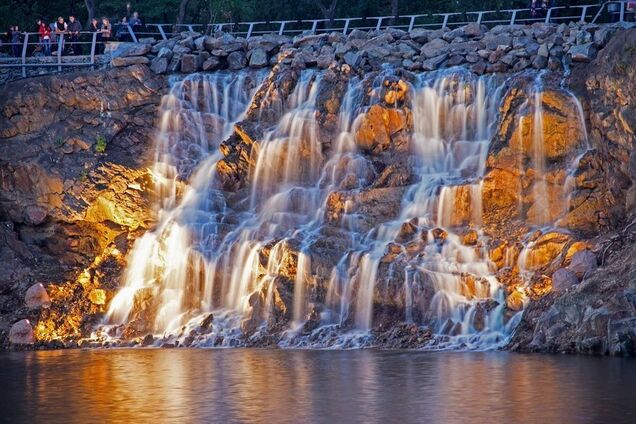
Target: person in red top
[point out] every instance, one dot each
(45, 37)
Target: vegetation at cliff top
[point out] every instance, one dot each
(25, 12)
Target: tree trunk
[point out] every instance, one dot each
(328, 10)
(394, 11)
(183, 9)
(90, 8)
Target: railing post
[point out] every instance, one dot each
(446, 15)
(282, 28)
(548, 15)
(132, 33)
(622, 16)
(250, 29)
(346, 26)
(314, 26)
(513, 17)
(93, 45)
(162, 32)
(60, 47)
(479, 17)
(379, 25)
(411, 23)
(190, 28)
(25, 44)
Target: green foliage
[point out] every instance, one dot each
(83, 175)
(100, 145)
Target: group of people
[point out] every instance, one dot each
(539, 8)
(65, 35)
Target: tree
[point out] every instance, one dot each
(91, 9)
(328, 10)
(394, 7)
(394, 11)
(183, 9)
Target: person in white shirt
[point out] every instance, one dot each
(60, 29)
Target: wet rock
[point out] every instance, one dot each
(470, 238)
(21, 333)
(394, 91)
(407, 231)
(207, 322)
(379, 126)
(439, 235)
(36, 297)
(515, 301)
(545, 250)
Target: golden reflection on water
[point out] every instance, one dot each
(280, 386)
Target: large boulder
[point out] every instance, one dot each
(258, 58)
(379, 127)
(435, 48)
(21, 333)
(36, 297)
(236, 60)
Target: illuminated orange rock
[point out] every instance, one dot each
(379, 125)
(546, 249)
(394, 91)
(97, 297)
(515, 300)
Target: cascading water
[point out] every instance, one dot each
(237, 255)
(167, 263)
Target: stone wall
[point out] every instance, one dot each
(500, 49)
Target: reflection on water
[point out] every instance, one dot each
(280, 386)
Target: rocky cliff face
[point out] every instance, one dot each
(74, 188)
(597, 316)
(555, 200)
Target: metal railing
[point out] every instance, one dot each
(611, 11)
(64, 52)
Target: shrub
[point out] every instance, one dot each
(100, 146)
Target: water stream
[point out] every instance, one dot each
(212, 253)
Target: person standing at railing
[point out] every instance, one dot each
(135, 20)
(122, 29)
(60, 29)
(96, 26)
(74, 29)
(107, 32)
(45, 37)
(14, 37)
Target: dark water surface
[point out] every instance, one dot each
(281, 386)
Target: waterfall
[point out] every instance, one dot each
(271, 259)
